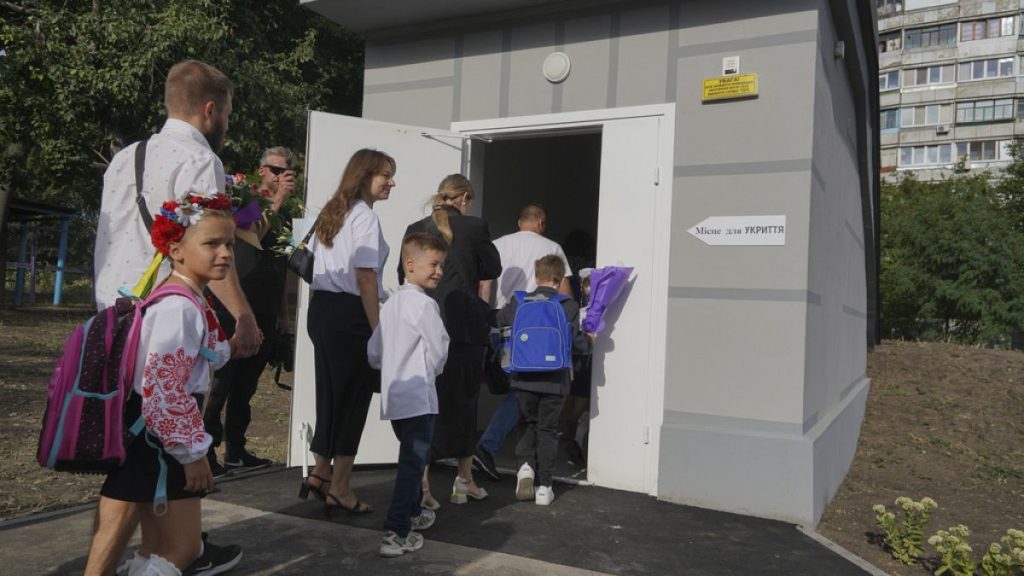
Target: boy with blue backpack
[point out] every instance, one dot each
(544, 337)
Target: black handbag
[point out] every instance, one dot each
(301, 260)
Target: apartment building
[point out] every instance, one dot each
(951, 91)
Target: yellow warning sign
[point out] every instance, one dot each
(729, 87)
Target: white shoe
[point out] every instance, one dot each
(393, 546)
(425, 520)
(524, 483)
(545, 495)
(461, 493)
(135, 564)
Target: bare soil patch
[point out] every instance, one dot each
(942, 421)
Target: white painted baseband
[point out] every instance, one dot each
(770, 470)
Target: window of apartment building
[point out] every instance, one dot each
(984, 110)
(990, 28)
(929, 75)
(928, 115)
(889, 80)
(1020, 108)
(890, 41)
(888, 7)
(990, 68)
(925, 155)
(932, 36)
(984, 150)
(890, 119)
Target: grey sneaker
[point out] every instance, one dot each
(393, 546)
(424, 520)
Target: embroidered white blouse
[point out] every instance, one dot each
(170, 368)
(409, 346)
(359, 244)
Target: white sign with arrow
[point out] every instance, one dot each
(741, 231)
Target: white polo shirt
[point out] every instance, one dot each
(409, 346)
(359, 244)
(178, 160)
(519, 252)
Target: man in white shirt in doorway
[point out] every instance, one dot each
(180, 158)
(519, 253)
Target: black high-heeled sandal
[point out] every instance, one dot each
(358, 509)
(317, 490)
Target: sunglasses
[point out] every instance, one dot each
(276, 170)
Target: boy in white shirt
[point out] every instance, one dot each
(410, 346)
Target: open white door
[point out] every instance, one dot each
(424, 157)
(625, 368)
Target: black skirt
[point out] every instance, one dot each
(136, 481)
(458, 389)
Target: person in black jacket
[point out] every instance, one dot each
(472, 259)
(541, 394)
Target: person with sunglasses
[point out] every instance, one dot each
(265, 287)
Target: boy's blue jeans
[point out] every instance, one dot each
(415, 435)
(502, 422)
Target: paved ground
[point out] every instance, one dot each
(587, 531)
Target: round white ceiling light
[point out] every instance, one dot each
(556, 67)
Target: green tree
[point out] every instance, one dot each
(81, 80)
(952, 261)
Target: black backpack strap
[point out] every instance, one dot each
(140, 166)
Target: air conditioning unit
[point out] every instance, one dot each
(942, 129)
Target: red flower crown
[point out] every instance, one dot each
(176, 215)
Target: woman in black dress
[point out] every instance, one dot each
(472, 258)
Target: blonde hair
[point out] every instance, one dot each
(191, 84)
(452, 187)
(359, 172)
(549, 268)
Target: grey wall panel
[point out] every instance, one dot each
(587, 45)
(406, 62)
(528, 91)
(710, 23)
(777, 125)
(766, 267)
(480, 75)
(702, 371)
(644, 56)
(432, 107)
(836, 351)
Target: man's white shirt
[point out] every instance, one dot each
(409, 346)
(178, 160)
(519, 252)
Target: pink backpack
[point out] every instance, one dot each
(83, 426)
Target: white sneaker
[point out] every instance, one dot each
(393, 546)
(524, 483)
(424, 520)
(545, 495)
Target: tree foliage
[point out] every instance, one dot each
(81, 80)
(952, 261)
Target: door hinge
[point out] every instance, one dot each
(657, 175)
(647, 434)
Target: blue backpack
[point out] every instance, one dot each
(541, 338)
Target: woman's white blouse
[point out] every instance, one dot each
(359, 244)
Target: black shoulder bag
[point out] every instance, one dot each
(301, 260)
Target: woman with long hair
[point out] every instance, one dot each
(472, 259)
(349, 254)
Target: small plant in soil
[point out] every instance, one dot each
(905, 538)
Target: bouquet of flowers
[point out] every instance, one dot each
(251, 204)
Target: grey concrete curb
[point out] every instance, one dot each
(850, 556)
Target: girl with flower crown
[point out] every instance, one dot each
(180, 346)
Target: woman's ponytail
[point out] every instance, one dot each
(452, 187)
